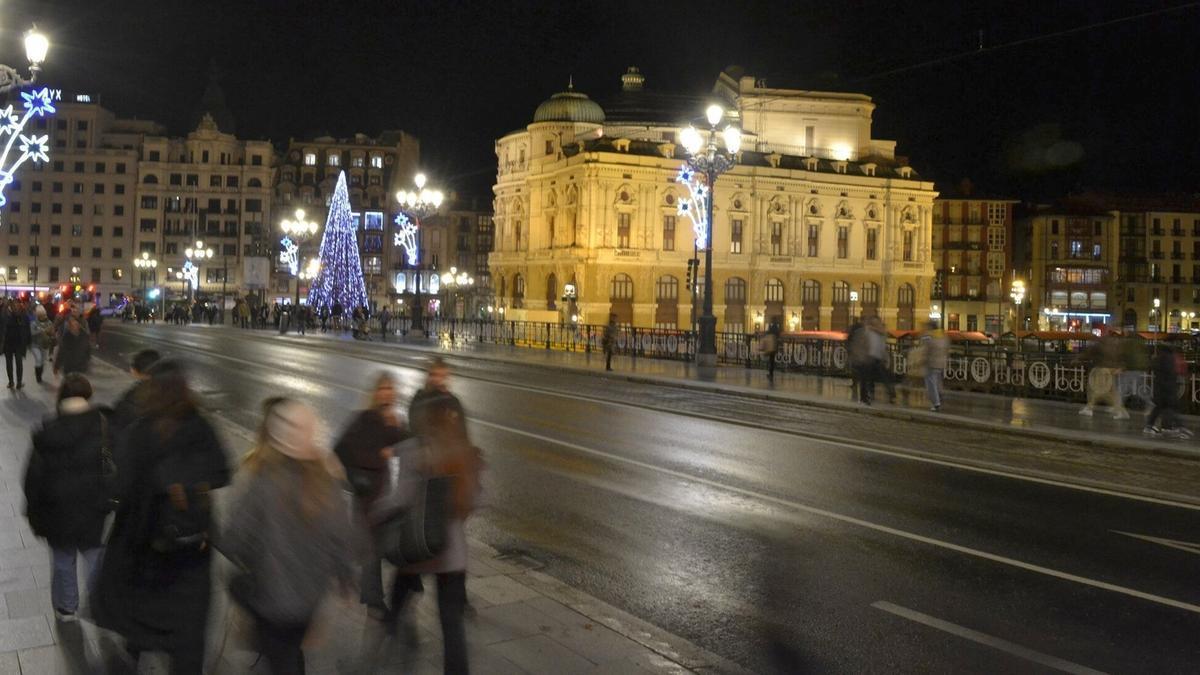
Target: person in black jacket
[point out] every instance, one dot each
(364, 449)
(437, 386)
(66, 498)
(14, 324)
(129, 407)
(74, 347)
(156, 582)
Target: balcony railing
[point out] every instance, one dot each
(1177, 232)
(1156, 255)
(1158, 232)
(1177, 255)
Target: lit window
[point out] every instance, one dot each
(376, 162)
(310, 159)
(735, 236)
(334, 159)
(374, 220)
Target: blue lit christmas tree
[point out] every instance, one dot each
(340, 278)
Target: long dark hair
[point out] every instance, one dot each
(168, 399)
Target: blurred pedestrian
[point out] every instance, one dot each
(1168, 366)
(935, 351)
(437, 386)
(1103, 380)
(74, 348)
(448, 454)
(1135, 362)
(385, 317)
(66, 493)
(609, 340)
(155, 585)
(16, 337)
(95, 320)
(770, 347)
(856, 355)
(287, 532)
(364, 448)
(41, 340)
(129, 406)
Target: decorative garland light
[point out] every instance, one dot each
(37, 102)
(693, 206)
(339, 279)
(406, 236)
(290, 255)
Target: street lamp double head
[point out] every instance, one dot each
(422, 201)
(199, 252)
(706, 161)
(37, 45)
(145, 265)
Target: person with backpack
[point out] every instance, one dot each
(287, 532)
(364, 448)
(67, 494)
(156, 582)
(447, 456)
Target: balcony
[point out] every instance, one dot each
(1176, 255)
(1158, 232)
(1156, 255)
(1177, 232)
(1196, 231)
(1177, 280)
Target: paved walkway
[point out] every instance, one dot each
(1057, 420)
(527, 622)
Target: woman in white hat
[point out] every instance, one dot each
(289, 531)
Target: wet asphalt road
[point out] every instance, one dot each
(742, 538)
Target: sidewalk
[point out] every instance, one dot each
(1036, 418)
(527, 622)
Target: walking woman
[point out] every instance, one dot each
(155, 584)
(14, 333)
(364, 449)
(42, 341)
(447, 454)
(288, 532)
(65, 494)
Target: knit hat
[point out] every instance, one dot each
(292, 430)
(40, 312)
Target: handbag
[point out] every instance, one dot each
(411, 516)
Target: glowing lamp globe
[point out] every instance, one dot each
(36, 46)
(714, 113)
(733, 139)
(419, 179)
(690, 138)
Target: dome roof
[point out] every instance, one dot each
(569, 106)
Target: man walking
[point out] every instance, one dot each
(385, 317)
(609, 341)
(770, 347)
(935, 350)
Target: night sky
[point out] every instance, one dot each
(1114, 107)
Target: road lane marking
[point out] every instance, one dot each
(985, 639)
(898, 452)
(1172, 543)
(886, 529)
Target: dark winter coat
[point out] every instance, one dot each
(66, 499)
(419, 404)
(16, 335)
(358, 449)
(74, 352)
(158, 601)
(128, 409)
(1166, 376)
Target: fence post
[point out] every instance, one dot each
(547, 335)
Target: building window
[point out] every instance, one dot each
(376, 162)
(149, 202)
(120, 167)
(1054, 250)
(549, 147)
(908, 245)
(774, 290)
(372, 264)
(623, 230)
(996, 238)
(334, 159)
(1076, 248)
(995, 264)
(97, 231)
(549, 228)
(55, 251)
(256, 160)
(148, 224)
(776, 238)
(76, 251)
(814, 240)
(95, 251)
(119, 189)
(76, 230)
(373, 220)
(668, 233)
(1095, 251)
(735, 236)
(843, 241)
(253, 206)
(214, 181)
(310, 159)
(373, 243)
(873, 244)
(1053, 227)
(996, 213)
(356, 162)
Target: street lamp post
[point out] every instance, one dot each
(455, 281)
(1154, 315)
(200, 253)
(1018, 297)
(296, 231)
(414, 206)
(36, 47)
(145, 264)
(708, 160)
(4, 273)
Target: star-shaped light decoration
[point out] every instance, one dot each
(9, 122)
(693, 204)
(36, 148)
(406, 236)
(38, 101)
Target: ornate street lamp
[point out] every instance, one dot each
(1018, 297)
(295, 232)
(36, 47)
(145, 265)
(705, 162)
(415, 205)
(191, 270)
(455, 281)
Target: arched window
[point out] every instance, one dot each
(552, 292)
(870, 300)
(774, 300)
(666, 311)
(735, 305)
(150, 179)
(810, 309)
(906, 300)
(839, 319)
(518, 296)
(254, 182)
(621, 294)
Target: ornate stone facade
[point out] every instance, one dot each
(798, 227)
